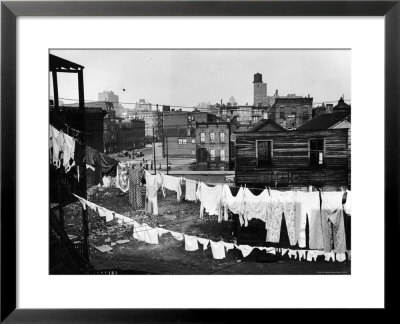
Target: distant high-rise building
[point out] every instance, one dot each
(260, 91)
(110, 96)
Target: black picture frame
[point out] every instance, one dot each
(10, 10)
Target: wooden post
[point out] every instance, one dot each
(85, 224)
(154, 154)
(55, 89)
(166, 137)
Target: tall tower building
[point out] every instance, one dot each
(260, 91)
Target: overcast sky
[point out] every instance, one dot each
(187, 77)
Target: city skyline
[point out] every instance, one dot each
(189, 77)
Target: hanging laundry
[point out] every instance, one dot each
(82, 201)
(332, 213)
(280, 204)
(106, 181)
(255, 206)
(108, 164)
(109, 215)
(313, 210)
(57, 145)
(190, 193)
(135, 194)
(152, 185)
(340, 257)
(283, 251)
(312, 255)
(347, 205)
(228, 246)
(210, 199)
(176, 235)
(269, 250)
(172, 183)
(306, 203)
(162, 231)
(233, 203)
(292, 253)
(191, 243)
(145, 233)
(329, 256)
(92, 156)
(218, 249)
(101, 211)
(302, 254)
(68, 152)
(246, 249)
(204, 242)
(122, 180)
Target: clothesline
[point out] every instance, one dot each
(150, 235)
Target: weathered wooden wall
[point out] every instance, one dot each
(290, 162)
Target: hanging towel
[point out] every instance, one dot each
(191, 243)
(246, 249)
(332, 212)
(172, 183)
(302, 254)
(145, 233)
(329, 256)
(340, 257)
(68, 152)
(233, 203)
(162, 231)
(269, 250)
(151, 235)
(283, 252)
(122, 180)
(57, 145)
(101, 211)
(109, 215)
(176, 235)
(204, 242)
(347, 205)
(313, 254)
(255, 206)
(292, 253)
(190, 193)
(210, 199)
(218, 249)
(228, 246)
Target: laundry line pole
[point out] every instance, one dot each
(154, 154)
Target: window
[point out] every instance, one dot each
(212, 154)
(282, 113)
(202, 137)
(255, 119)
(193, 141)
(264, 153)
(212, 137)
(222, 137)
(316, 153)
(180, 141)
(193, 152)
(184, 141)
(222, 154)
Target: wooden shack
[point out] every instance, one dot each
(267, 155)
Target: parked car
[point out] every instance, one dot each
(229, 178)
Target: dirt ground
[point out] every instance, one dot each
(169, 256)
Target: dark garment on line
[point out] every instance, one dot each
(79, 155)
(92, 156)
(108, 164)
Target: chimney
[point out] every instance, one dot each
(276, 93)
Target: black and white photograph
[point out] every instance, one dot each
(199, 161)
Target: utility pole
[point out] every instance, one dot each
(166, 137)
(154, 154)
